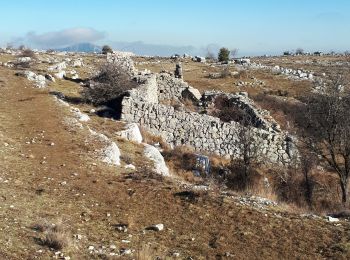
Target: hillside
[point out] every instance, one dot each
(52, 173)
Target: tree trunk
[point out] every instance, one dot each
(344, 190)
(308, 190)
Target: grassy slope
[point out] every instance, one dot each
(99, 197)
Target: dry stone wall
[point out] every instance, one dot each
(203, 132)
(170, 87)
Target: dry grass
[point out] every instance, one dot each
(56, 240)
(55, 235)
(146, 252)
(152, 139)
(122, 194)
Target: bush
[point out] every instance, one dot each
(224, 55)
(55, 236)
(227, 112)
(27, 53)
(107, 49)
(225, 73)
(240, 177)
(109, 85)
(56, 239)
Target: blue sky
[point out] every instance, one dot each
(252, 26)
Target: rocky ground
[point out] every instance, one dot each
(52, 175)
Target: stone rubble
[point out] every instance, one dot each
(39, 80)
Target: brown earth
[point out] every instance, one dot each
(64, 183)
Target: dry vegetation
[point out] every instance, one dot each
(42, 184)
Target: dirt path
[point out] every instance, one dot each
(60, 183)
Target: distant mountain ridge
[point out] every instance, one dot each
(141, 48)
(81, 47)
(137, 47)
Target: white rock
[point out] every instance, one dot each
(30, 75)
(50, 77)
(157, 227)
(24, 59)
(60, 74)
(331, 219)
(131, 133)
(58, 67)
(130, 166)
(40, 81)
(154, 155)
(126, 252)
(81, 116)
(78, 63)
(111, 154)
(195, 92)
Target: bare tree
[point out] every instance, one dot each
(308, 161)
(233, 53)
(247, 143)
(328, 129)
(243, 168)
(111, 82)
(210, 55)
(299, 51)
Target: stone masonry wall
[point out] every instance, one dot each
(203, 132)
(170, 87)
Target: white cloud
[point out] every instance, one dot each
(62, 38)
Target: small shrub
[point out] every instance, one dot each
(54, 235)
(23, 65)
(183, 158)
(226, 111)
(146, 252)
(242, 74)
(240, 177)
(225, 73)
(27, 53)
(107, 49)
(56, 240)
(109, 85)
(224, 55)
(153, 139)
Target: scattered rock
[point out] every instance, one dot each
(111, 154)
(49, 77)
(331, 219)
(60, 74)
(157, 227)
(154, 155)
(80, 116)
(131, 133)
(130, 167)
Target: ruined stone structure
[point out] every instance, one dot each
(203, 132)
(178, 71)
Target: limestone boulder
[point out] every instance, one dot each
(154, 155)
(111, 154)
(191, 93)
(131, 133)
